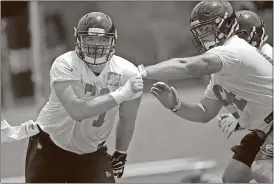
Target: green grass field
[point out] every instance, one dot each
(159, 135)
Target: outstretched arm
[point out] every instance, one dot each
(203, 112)
(178, 68)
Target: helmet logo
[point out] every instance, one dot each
(91, 31)
(218, 20)
(220, 35)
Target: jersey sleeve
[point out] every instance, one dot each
(128, 72)
(209, 90)
(62, 70)
(228, 57)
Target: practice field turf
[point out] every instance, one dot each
(159, 135)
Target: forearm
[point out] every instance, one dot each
(193, 112)
(167, 70)
(178, 68)
(88, 108)
(124, 133)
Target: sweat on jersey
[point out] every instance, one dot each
(85, 136)
(244, 83)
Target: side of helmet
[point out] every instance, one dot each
(212, 17)
(251, 28)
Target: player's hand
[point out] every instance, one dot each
(132, 87)
(227, 123)
(136, 83)
(118, 161)
(165, 94)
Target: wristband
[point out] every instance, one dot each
(177, 107)
(142, 71)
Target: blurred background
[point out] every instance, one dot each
(33, 34)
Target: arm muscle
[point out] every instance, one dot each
(202, 112)
(70, 92)
(178, 68)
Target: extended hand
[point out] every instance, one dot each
(165, 94)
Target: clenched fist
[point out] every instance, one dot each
(136, 83)
(133, 87)
(228, 124)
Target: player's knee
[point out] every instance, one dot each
(262, 171)
(228, 176)
(236, 172)
(232, 178)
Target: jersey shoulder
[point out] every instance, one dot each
(68, 59)
(66, 67)
(228, 55)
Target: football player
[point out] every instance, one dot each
(241, 80)
(89, 87)
(251, 28)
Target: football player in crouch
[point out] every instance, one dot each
(241, 80)
(252, 29)
(89, 86)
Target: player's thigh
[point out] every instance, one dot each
(237, 172)
(248, 148)
(93, 168)
(44, 161)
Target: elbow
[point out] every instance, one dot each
(205, 120)
(74, 112)
(75, 115)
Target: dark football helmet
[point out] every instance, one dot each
(96, 37)
(251, 28)
(212, 22)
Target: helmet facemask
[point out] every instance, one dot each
(257, 37)
(94, 46)
(213, 32)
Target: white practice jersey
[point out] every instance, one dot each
(85, 136)
(244, 83)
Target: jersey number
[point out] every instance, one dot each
(101, 119)
(229, 100)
